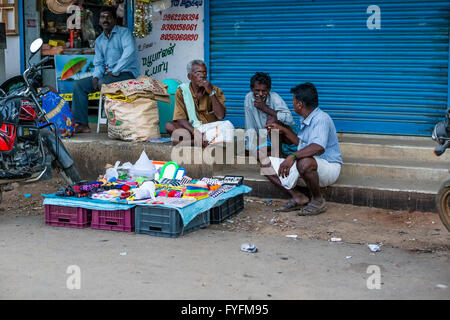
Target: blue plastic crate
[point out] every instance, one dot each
(166, 222)
(228, 208)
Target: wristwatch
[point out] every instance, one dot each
(212, 93)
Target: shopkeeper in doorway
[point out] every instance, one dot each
(115, 60)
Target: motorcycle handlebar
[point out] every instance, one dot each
(43, 61)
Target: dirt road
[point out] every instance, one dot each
(417, 231)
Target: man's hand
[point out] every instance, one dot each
(260, 102)
(200, 139)
(206, 85)
(111, 74)
(95, 83)
(285, 167)
(275, 126)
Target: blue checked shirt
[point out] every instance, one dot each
(117, 54)
(319, 128)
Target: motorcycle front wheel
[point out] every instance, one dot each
(443, 205)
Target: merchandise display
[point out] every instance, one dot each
(118, 191)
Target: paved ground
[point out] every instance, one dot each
(206, 264)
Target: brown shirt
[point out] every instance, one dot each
(203, 109)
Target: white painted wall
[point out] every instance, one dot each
(12, 56)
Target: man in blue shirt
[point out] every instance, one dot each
(318, 157)
(115, 60)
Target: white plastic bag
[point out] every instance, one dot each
(218, 132)
(145, 191)
(291, 180)
(143, 167)
(112, 172)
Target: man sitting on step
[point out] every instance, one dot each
(197, 102)
(318, 158)
(262, 107)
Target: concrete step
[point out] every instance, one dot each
(379, 147)
(366, 191)
(402, 169)
(396, 169)
(401, 183)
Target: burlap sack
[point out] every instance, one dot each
(132, 121)
(143, 86)
(132, 109)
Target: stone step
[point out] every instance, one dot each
(417, 148)
(396, 169)
(366, 191)
(377, 168)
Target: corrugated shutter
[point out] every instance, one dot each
(390, 81)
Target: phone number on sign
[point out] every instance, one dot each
(179, 37)
(176, 17)
(179, 27)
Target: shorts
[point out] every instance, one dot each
(328, 171)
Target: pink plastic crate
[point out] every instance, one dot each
(60, 216)
(115, 220)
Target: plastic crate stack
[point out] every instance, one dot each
(154, 221)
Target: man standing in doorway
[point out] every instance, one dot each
(115, 60)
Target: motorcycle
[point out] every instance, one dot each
(30, 146)
(441, 134)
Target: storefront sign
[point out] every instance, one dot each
(176, 38)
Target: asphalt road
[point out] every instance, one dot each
(206, 264)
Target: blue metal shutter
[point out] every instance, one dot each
(393, 80)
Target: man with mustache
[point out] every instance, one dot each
(115, 60)
(263, 107)
(197, 102)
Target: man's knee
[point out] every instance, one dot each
(306, 165)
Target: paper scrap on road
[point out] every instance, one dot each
(374, 247)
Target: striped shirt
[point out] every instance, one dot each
(319, 128)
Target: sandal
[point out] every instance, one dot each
(292, 205)
(312, 210)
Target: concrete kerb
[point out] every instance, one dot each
(91, 155)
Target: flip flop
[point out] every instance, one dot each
(292, 205)
(312, 210)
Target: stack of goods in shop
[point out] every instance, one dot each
(144, 193)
